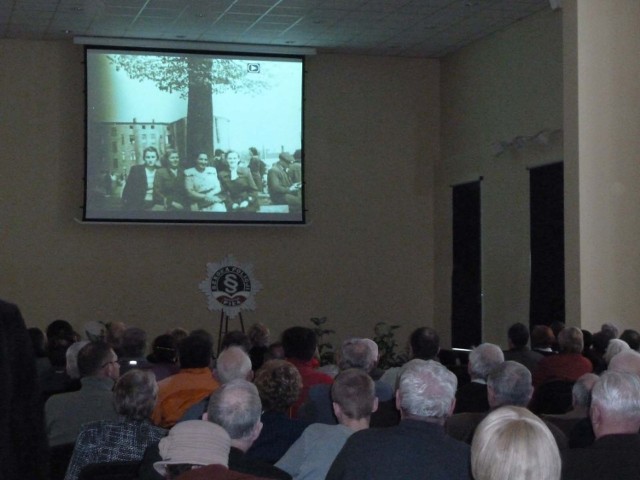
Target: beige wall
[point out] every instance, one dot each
(367, 254)
(603, 140)
(507, 85)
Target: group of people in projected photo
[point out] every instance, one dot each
(229, 182)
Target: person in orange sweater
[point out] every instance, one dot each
(193, 383)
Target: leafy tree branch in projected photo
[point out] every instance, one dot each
(195, 79)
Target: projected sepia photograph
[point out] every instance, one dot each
(192, 137)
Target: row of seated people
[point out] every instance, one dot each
(229, 184)
(285, 421)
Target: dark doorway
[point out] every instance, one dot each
(466, 285)
(546, 187)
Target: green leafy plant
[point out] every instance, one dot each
(326, 350)
(385, 337)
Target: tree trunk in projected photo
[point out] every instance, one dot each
(199, 108)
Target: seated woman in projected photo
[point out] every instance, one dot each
(168, 186)
(238, 185)
(203, 187)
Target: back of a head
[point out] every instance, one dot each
(135, 393)
(627, 361)
(165, 349)
(299, 343)
(192, 443)
(632, 337)
(618, 394)
(195, 351)
(134, 342)
(518, 334)
(357, 353)
(581, 390)
(92, 357)
(279, 384)
(483, 359)
(258, 335)
(542, 337)
(427, 389)
(38, 341)
(511, 385)
(236, 407)
(59, 328)
(610, 329)
(425, 343)
(614, 347)
(236, 338)
(72, 358)
(233, 363)
(570, 340)
(354, 391)
(512, 443)
(57, 348)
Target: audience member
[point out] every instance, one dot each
(300, 345)
(193, 383)
(133, 349)
(39, 344)
(580, 404)
(95, 331)
(627, 361)
(416, 448)
(614, 347)
(55, 379)
(279, 384)
(354, 399)
(599, 343)
(233, 363)
(178, 333)
(235, 407)
(354, 353)
(67, 412)
(59, 328)
(512, 443)
(236, 338)
(610, 330)
(125, 439)
(196, 450)
(542, 340)
(71, 356)
(632, 337)
(569, 364)
(164, 356)
(424, 344)
(114, 333)
(518, 335)
(509, 384)
(472, 397)
(258, 335)
(23, 444)
(615, 415)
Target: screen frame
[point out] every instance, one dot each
(98, 216)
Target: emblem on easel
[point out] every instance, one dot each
(230, 287)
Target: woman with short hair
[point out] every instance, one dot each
(126, 439)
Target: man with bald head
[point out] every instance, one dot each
(615, 415)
